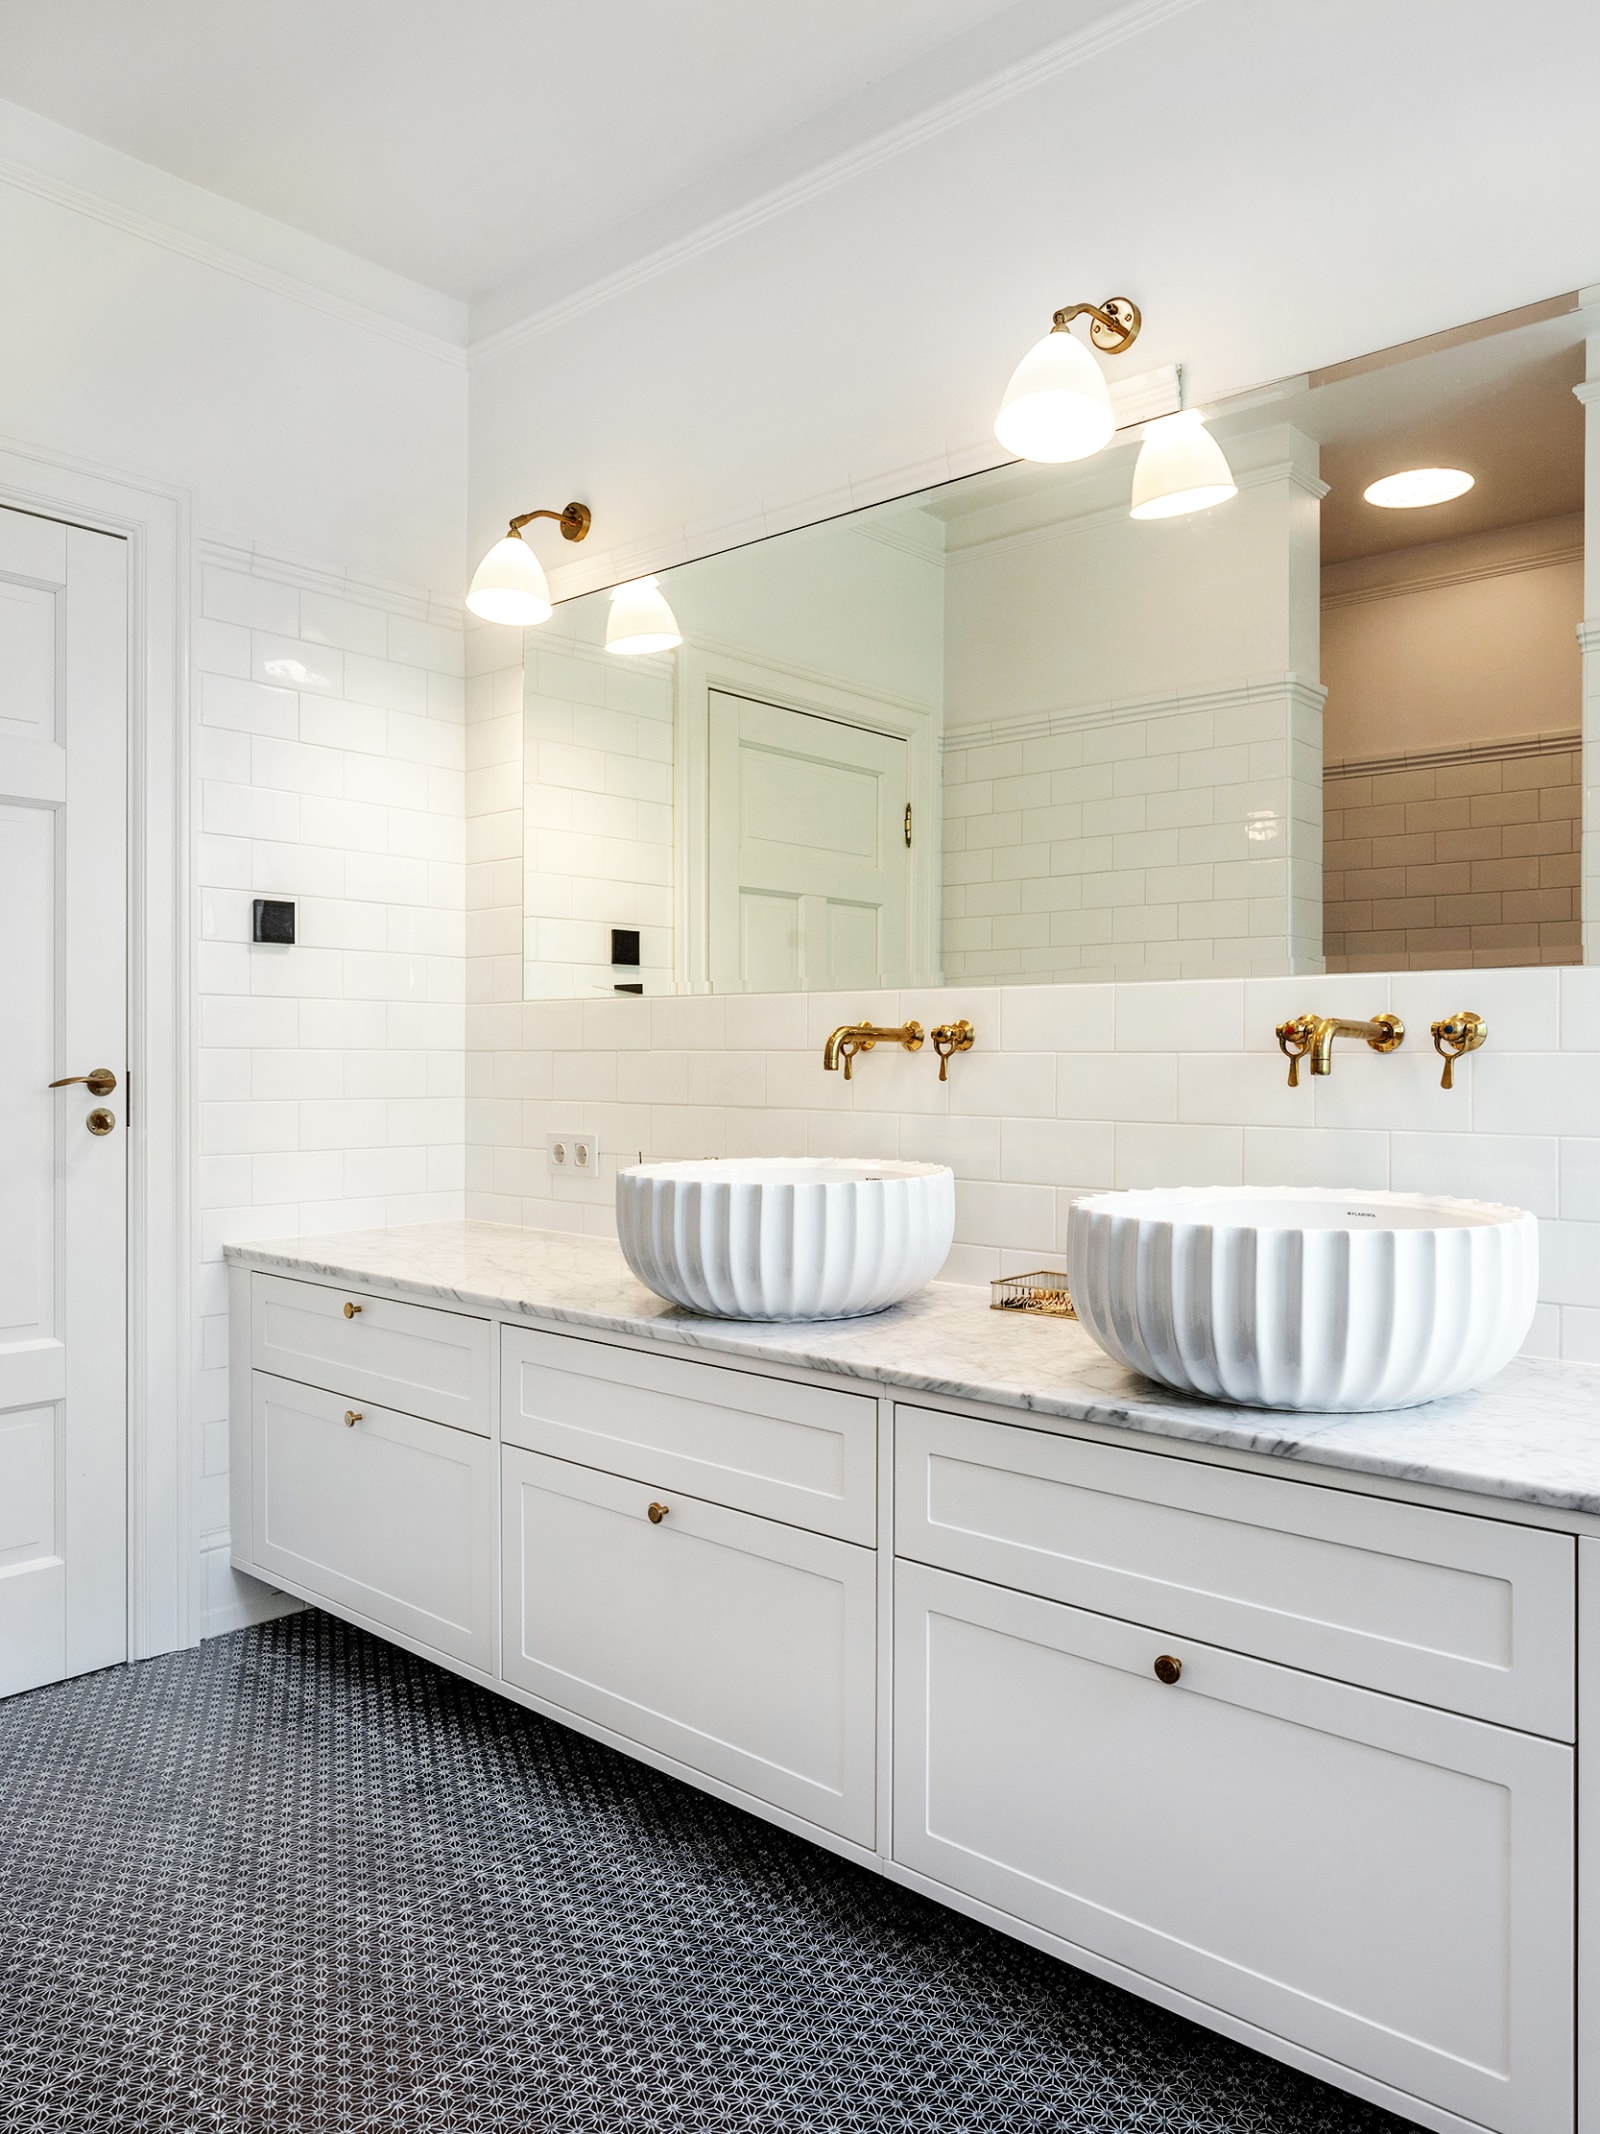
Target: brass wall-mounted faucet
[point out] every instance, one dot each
(1314, 1034)
(851, 1038)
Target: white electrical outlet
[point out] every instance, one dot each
(558, 1148)
(586, 1154)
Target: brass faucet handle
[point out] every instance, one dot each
(1295, 1039)
(1456, 1035)
(949, 1038)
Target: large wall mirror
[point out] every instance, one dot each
(1003, 731)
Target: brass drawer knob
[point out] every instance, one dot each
(657, 1513)
(350, 1310)
(352, 1416)
(1168, 1669)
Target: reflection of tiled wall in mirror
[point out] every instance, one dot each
(1133, 740)
(1454, 774)
(597, 811)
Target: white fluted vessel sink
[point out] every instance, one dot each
(1293, 1297)
(813, 1237)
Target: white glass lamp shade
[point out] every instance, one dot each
(1180, 468)
(1058, 405)
(510, 586)
(640, 620)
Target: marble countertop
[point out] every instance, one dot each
(1532, 1434)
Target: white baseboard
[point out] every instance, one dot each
(232, 1600)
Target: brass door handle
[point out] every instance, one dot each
(657, 1513)
(100, 1080)
(350, 1310)
(352, 1416)
(1168, 1669)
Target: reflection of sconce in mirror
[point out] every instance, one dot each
(640, 619)
(1058, 407)
(509, 585)
(1180, 468)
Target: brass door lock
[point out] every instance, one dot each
(101, 1121)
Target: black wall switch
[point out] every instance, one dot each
(273, 920)
(625, 946)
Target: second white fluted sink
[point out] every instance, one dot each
(808, 1237)
(1305, 1297)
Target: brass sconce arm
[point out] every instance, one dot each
(1114, 325)
(574, 522)
(851, 1038)
(1458, 1034)
(1313, 1035)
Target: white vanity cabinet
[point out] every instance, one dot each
(1341, 1820)
(376, 1513)
(1359, 1870)
(673, 1569)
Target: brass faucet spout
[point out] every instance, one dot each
(851, 1038)
(1312, 1036)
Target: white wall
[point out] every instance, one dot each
(315, 419)
(855, 340)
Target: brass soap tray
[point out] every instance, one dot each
(1041, 1292)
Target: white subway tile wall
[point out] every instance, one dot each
(330, 764)
(1070, 1088)
(1169, 839)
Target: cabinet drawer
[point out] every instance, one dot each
(408, 1356)
(741, 1647)
(805, 1454)
(1381, 1883)
(391, 1517)
(1471, 1614)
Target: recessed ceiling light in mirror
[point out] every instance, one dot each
(1416, 486)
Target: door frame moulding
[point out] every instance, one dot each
(705, 666)
(154, 521)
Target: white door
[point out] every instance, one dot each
(63, 1186)
(1386, 1884)
(809, 861)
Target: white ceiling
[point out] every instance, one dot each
(461, 142)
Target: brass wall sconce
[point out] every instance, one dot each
(1314, 1035)
(509, 586)
(1453, 1038)
(949, 1038)
(851, 1038)
(1057, 407)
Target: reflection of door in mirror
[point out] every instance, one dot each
(808, 862)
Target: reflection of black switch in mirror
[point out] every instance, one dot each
(273, 921)
(625, 946)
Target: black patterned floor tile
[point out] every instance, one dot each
(301, 1881)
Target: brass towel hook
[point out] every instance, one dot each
(1458, 1034)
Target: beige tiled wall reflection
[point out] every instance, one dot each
(1466, 863)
